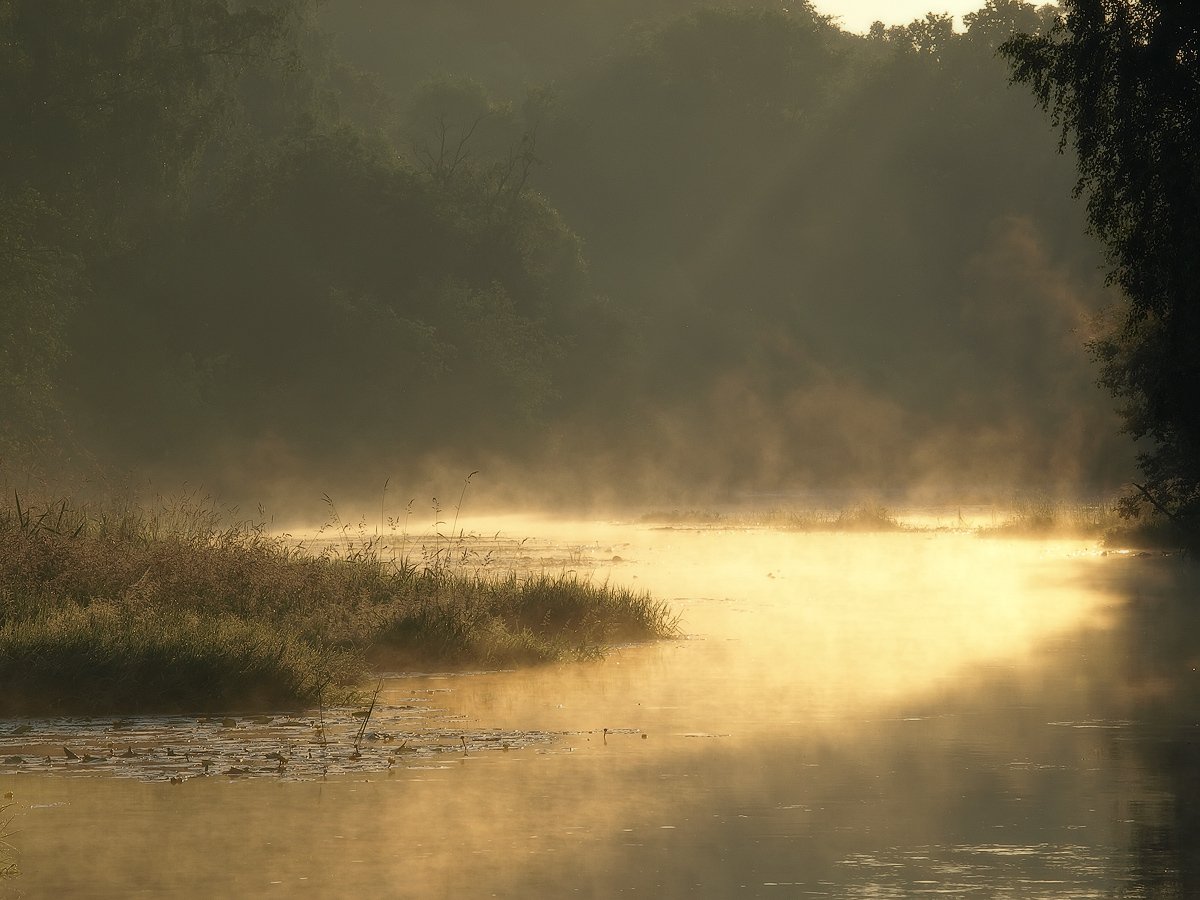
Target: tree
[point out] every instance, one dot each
(1121, 78)
(929, 36)
(39, 284)
(82, 78)
(106, 113)
(999, 20)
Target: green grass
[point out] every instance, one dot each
(121, 610)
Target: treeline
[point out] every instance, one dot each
(655, 248)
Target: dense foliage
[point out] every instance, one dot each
(1122, 79)
(837, 250)
(645, 248)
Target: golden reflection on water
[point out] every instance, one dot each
(867, 715)
(814, 625)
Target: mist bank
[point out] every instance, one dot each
(603, 256)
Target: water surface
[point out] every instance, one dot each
(847, 716)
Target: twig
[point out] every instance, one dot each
(458, 509)
(367, 718)
(1162, 509)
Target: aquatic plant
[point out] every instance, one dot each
(362, 728)
(121, 608)
(684, 517)
(520, 618)
(1029, 515)
(867, 517)
(1024, 515)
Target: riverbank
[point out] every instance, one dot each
(1021, 517)
(171, 610)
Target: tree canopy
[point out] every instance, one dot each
(689, 251)
(1122, 80)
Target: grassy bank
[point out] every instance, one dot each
(170, 610)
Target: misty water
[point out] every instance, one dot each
(846, 715)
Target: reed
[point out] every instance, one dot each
(520, 618)
(868, 517)
(125, 609)
(1038, 515)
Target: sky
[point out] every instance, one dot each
(857, 15)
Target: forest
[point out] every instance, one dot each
(655, 252)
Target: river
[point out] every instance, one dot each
(846, 715)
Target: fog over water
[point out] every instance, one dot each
(845, 715)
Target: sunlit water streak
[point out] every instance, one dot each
(848, 716)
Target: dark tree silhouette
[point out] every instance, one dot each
(1122, 80)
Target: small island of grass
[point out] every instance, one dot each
(132, 610)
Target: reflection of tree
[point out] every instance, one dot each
(1164, 695)
(1158, 849)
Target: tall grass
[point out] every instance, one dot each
(1038, 515)
(122, 609)
(521, 618)
(1023, 516)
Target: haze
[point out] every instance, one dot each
(700, 399)
(634, 254)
